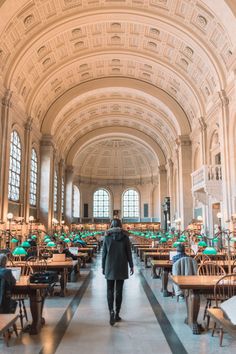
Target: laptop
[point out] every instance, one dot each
(74, 250)
(58, 257)
(16, 272)
(172, 254)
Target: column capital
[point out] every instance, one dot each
(183, 140)
(202, 123)
(28, 124)
(47, 140)
(162, 169)
(224, 98)
(6, 99)
(69, 169)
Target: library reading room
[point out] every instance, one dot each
(117, 176)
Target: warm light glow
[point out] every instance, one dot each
(199, 218)
(31, 218)
(54, 221)
(219, 215)
(63, 222)
(9, 216)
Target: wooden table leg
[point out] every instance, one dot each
(63, 281)
(193, 306)
(36, 308)
(164, 279)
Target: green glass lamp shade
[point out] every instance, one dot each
(62, 237)
(25, 244)
(46, 237)
(67, 240)
(170, 237)
(215, 240)
(202, 244)
(175, 244)
(209, 251)
(233, 239)
(19, 251)
(163, 240)
(14, 240)
(199, 237)
(47, 240)
(51, 244)
(34, 237)
(182, 239)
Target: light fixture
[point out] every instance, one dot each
(219, 215)
(54, 221)
(199, 218)
(10, 216)
(31, 218)
(19, 251)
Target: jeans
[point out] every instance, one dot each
(111, 285)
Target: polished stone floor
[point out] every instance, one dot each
(79, 323)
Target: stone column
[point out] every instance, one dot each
(185, 182)
(225, 157)
(46, 181)
(69, 194)
(27, 167)
(162, 190)
(59, 202)
(203, 127)
(4, 152)
(170, 173)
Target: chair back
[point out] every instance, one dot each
(225, 288)
(200, 258)
(210, 268)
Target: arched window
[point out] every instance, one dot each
(130, 204)
(33, 178)
(14, 167)
(55, 192)
(101, 201)
(76, 202)
(62, 195)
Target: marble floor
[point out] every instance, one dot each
(79, 323)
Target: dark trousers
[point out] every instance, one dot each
(111, 286)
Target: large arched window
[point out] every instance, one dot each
(14, 167)
(62, 195)
(131, 204)
(76, 202)
(55, 192)
(101, 201)
(33, 178)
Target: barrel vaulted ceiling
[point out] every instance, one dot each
(145, 69)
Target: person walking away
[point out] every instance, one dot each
(116, 256)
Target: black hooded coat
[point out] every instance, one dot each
(116, 254)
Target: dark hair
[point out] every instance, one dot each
(116, 223)
(180, 248)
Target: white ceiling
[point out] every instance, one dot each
(150, 67)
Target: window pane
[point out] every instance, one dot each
(33, 178)
(101, 201)
(14, 167)
(131, 203)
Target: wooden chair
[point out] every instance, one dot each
(224, 289)
(209, 268)
(20, 298)
(8, 321)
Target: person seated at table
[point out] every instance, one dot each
(180, 253)
(182, 265)
(62, 249)
(7, 281)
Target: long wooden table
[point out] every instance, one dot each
(61, 267)
(37, 294)
(195, 285)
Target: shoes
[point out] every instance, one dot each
(117, 318)
(112, 318)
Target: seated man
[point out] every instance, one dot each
(7, 281)
(182, 265)
(180, 253)
(62, 249)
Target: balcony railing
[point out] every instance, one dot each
(206, 176)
